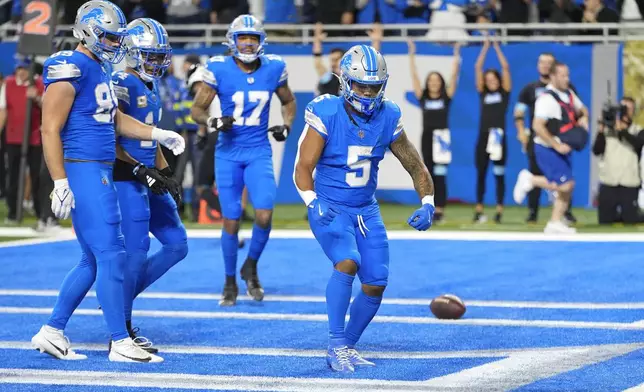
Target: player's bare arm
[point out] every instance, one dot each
(289, 108)
(201, 105)
(310, 151)
(57, 103)
(412, 162)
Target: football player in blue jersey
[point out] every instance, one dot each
(245, 83)
(344, 140)
(140, 165)
(81, 119)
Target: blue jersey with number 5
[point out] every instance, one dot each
(347, 171)
(246, 97)
(89, 132)
(141, 101)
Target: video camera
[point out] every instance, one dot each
(611, 112)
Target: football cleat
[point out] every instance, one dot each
(249, 274)
(52, 341)
(229, 296)
(125, 350)
(338, 359)
(357, 360)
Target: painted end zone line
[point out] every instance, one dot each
(387, 301)
(323, 318)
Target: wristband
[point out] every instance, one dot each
(429, 199)
(61, 183)
(308, 197)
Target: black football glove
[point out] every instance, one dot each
(172, 185)
(221, 123)
(280, 132)
(150, 178)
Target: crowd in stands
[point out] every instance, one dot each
(364, 11)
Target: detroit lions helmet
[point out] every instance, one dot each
(363, 77)
(246, 25)
(148, 48)
(101, 28)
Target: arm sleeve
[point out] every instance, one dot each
(636, 141)
(600, 144)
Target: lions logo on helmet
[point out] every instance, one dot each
(101, 28)
(246, 25)
(363, 74)
(148, 48)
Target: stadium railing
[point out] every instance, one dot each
(210, 34)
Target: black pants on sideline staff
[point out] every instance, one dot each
(482, 160)
(34, 161)
(3, 164)
(440, 181)
(618, 204)
(46, 187)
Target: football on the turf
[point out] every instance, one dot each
(447, 306)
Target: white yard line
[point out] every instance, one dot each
(387, 301)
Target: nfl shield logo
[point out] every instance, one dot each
(250, 80)
(104, 181)
(361, 134)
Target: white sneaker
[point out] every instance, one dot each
(523, 186)
(52, 341)
(125, 350)
(558, 227)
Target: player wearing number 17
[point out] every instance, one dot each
(344, 140)
(81, 119)
(245, 83)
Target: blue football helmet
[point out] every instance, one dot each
(101, 27)
(363, 77)
(148, 48)
(246, 25)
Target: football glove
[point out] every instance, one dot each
(62, 199)
(170, 140)
(222, 124)
(172, 185)
(421, 219)
(321, 212)
(150, 178)
(280, 132)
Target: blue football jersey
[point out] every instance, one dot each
(246, 97)
(143, 103)
(89, 132)
(347, 172)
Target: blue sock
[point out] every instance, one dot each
(338, 296)
(258, 241)
(159, 263)
(363, 309)
(110, 268)
(229, 246)
(76, 284)
(136, 264)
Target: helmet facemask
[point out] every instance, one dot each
(363, 96)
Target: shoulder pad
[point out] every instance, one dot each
(274, 57)
(217, 59)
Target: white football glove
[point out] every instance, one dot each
(171, 140)
(62, 199)
(640, 199)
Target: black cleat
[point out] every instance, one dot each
(532, 218)
(241, 242)
(570, 218)
(229, 296)
(498, 217)
(249, 274)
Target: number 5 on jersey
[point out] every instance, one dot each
(358, 160)
(259, 97)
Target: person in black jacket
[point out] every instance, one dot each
(619, 149)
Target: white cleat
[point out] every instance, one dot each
(523, 186)
(558, 227)
(52, 341)
(125, 350)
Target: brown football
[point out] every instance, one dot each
(447, 306)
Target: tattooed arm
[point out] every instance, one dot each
(201, 105)
(411, 161)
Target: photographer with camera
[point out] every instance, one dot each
(618, 145)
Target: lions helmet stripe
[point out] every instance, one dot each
(374, 60)
(367, 59)
(158, 30)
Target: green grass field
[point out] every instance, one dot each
(458, 217)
